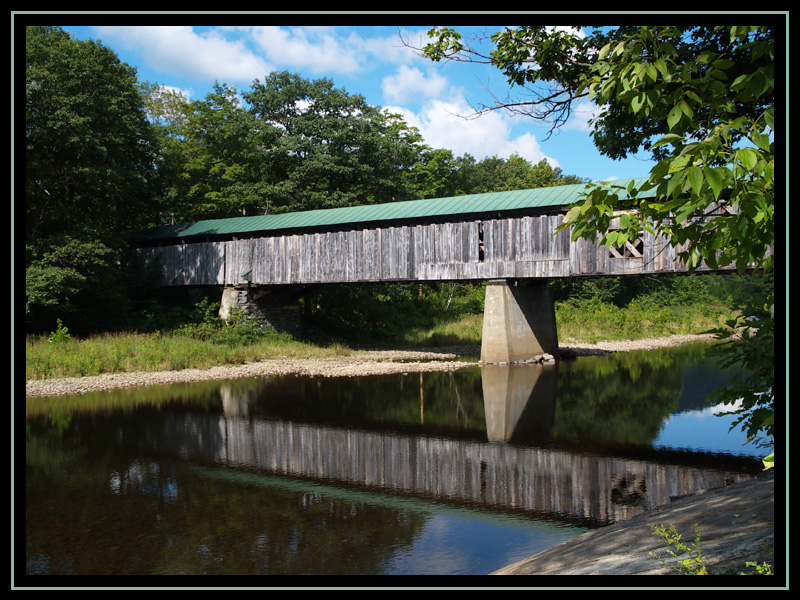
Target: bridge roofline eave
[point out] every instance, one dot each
(178, 239)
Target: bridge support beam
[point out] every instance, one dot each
(519, 321)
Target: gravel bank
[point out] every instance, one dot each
(359, 362)
(363, 362)
(626, 345)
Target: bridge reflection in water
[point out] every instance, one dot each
(586, 487)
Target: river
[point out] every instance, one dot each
(436, 473)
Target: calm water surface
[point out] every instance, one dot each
(442, 473)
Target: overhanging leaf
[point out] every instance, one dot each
(715, 179)
(695, 175)
(674, 116)
(747, 157)
(667, 139)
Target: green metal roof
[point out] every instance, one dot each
(538, 198)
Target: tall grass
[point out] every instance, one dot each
(181, 349)
(595, 320)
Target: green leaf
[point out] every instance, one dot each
(637, 102)
(694, 96)
(695, 175)
(724, 63)
(739, 82)
(686, 109)
(758, 84)
(706, 56)
(715, 178)
(667, 139)
(659, 171)
(572, 214)
(769, 117)
(747, 157)
(761, 140)
(769, 461)
(674, 116)
(674, 182)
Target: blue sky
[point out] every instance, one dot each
(365, 60)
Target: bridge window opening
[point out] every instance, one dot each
(631, 249)
(481, 248)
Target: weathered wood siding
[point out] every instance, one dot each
(514, 247)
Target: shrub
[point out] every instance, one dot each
(60, 335)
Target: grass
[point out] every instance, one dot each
(464, 330)
(593, 320)
(205, 345)
(182, 349)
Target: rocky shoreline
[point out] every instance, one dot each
(357, 363)
(737, 524)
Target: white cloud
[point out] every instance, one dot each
(316, 49)
(385, 48)
(179, 50)
(443, 125)
(409, 83)
(580, 115)
(176, 90)
(186, 93)
(333, 50)
(238, 55)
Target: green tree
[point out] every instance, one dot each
(88, 145)
(465, 175)
(226, 170)
(334, 149)
(433, 175)
(516, 173)
(78, 281)
(166, 107)
(712, 112)
(168, 113)
(89, 156)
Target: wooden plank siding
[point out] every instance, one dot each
(489, 248)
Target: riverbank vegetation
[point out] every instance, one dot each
(398, 316)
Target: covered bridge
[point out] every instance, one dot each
(508, 238)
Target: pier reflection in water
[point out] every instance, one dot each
(373, 475)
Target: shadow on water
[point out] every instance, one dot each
(373, 475)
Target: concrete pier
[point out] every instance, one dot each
(268, 306)
(519, 321)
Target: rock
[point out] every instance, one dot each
(736, 524)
